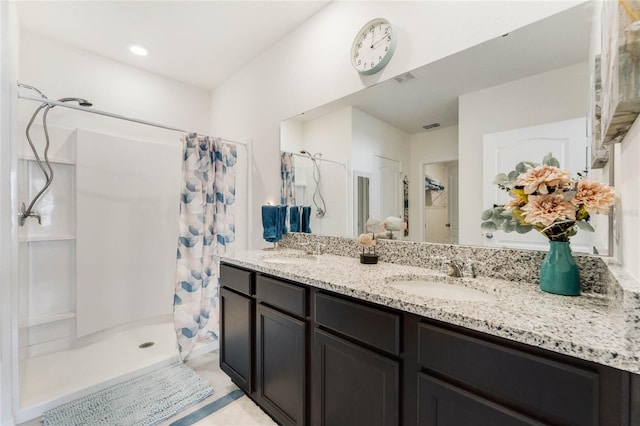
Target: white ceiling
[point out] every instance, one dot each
(197, 42)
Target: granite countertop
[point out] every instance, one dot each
(590, 327)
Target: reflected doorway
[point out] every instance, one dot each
(361, 196)
(441, 202)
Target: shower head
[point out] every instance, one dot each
(317, 154)
(80, 101)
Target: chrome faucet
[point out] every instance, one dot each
(23, 215)
(455, 269)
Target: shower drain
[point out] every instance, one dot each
(146, 345)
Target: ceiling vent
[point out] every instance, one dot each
(431, 126)
(404, 77)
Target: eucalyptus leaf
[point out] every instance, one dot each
(513, 176)
(500, 179)
(486, 215)
(509, 226)
(498, 220)
(521, 168)
(550, 160)
(488, 226)
(522, 229)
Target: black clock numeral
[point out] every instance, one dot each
(372, 64)
(379, 58)
(356, 55)
(359, 61)
(389, 38)
(386, 49)
(386, 30)
(359, 45)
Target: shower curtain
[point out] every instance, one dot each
(207, 226)
(288, 179)
(287, 184)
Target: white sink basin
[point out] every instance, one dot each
(289, 258)
(442, 290)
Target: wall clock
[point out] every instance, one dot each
(373, 46)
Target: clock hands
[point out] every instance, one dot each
(377, 42)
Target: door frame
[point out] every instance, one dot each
(421, 194)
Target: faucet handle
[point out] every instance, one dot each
(469, 268)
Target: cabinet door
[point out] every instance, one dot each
(442, 404)
(236, 335)
(353, 385)
(281, 365)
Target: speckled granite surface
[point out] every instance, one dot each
(598, 326)
(506, 264)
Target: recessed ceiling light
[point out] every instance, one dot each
(138, 50)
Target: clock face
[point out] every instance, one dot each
(373, 46)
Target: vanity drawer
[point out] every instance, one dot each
(369, 325)
(560, 392)
(279, 294)
(237, 279)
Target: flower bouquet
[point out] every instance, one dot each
(368, 244)
(547, 199)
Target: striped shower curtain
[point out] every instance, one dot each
(287, 184)
(287, 179)
(207, 226)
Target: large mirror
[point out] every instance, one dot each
(425, 145)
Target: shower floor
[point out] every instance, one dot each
(53, 379)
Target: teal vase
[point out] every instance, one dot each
(559, 272)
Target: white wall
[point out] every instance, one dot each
(311, 67)
(426, 147)
(61, 71)
(544, 98)
(331, 136)
(9, 39)
(627, 184)
(373, 138)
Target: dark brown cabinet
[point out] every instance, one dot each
(353, 385)
(441, 403)
(236, 331)
(310, 356)
(281, 365)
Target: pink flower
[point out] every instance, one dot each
(539, 179)
(546, 209)
(366, 240)
(596, 197)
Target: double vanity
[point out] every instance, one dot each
(326, 340)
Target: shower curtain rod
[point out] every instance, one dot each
(112, 115)
(317, 158)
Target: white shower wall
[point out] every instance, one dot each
(127, 194)
(49, 306)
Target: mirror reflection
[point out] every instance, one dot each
(425, 146)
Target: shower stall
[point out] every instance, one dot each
(99, 218)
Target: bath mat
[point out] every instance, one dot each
(143, 401)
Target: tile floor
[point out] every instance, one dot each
(242, 412)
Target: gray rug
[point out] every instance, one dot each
(143, 401)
